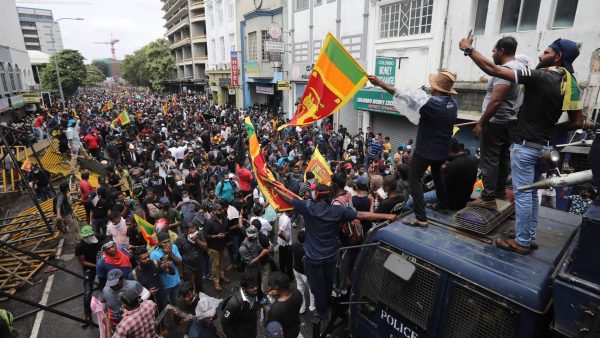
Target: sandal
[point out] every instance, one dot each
(512, 245)
(532, 245)
(413, 222)
(436, 207)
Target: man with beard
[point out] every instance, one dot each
(87, 250)
(543, 103)
(500, 106)
(147, 272)
(112, 257)
(239, 318)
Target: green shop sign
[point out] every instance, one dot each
(385, 69)
(375, 100)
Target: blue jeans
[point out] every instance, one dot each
(89, 275)
(170, 295)
(526, 169)
(429, 197)
(320, 274)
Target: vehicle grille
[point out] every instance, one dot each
(473, 315)
(414, 299)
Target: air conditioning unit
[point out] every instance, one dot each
(276, 64)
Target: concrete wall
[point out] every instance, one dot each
(10, 29)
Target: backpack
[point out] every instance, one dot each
(351, 232)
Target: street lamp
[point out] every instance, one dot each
(62, 96)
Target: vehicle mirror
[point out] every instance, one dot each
(399, 266)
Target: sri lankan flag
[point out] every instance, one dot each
(319, 167)
(124, 117)
(174, 101)
(109, 105)
(165, 109)
(262, 173)
(334, 80)
(147, 230)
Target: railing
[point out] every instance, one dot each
(198, 17)
(9, 178)
(180, 43)
(196, 4)
(200, 58)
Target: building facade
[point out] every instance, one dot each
(16, 76)
(38, 28)
(262, 38)
(186, 31)
(222, 40)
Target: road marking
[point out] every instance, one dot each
(40, 315)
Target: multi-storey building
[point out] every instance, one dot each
(262, 33)
(39, 29)
(222, 33)
(16, 75)
(186, 31)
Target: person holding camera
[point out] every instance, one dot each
(168, 252)
(254, 256)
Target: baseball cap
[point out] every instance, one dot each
(86, 231)
(113, 276)
(216, 206)
(273, 330)
(251, 232)
(163, 200)
(569, 51)
(129, 296)
(361, 180)
(71, 122)
(231, 176)
(162, 236)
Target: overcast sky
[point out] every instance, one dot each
(134, 22)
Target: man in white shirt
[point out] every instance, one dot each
(284, 240)
(117, 229)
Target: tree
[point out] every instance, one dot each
(103, 66)
(149, 65)
(72, 72)
(93, 75)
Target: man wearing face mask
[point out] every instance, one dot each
(191, 247)
(86, 251)
(254, 257)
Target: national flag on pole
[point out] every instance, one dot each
(319, 167)
(262, 173)
(334, 80)
(174, 101)
(107, 106)
(124, 117)
(147, 230)
(165, 109)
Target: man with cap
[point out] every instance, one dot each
(138, 317)
(166, 251)
(435, 115)
(75, 145)
(206, 313)
(86, 251)
(113, 257)
(215, 231)
(550, 89)
(116, 283)
(254, 257)
(500, 106)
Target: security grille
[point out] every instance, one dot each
(473, 315)
(414, 299)
(483, 220)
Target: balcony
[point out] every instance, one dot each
(198, 17)
(184, 62)
(184, 22)
(201, 59)
(180, 43)
(199, 39)
(182, 12)
(197, 4)
(170, 6)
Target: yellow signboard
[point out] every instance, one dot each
(283, 85)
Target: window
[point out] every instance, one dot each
(481, 16)
(317, 44)
(264, 37)
(210, 17)
(232, 43)
(301, 4)
(230, 10)
(11, 76)
(352, 44)
(328, 1)
(18, 75)
(301, 52)
(222, 47)
(318, 3)
(252, 47)
(564, 14)
(219, 7)
(405, 18)
(519, 15)
(3, 78)
(213, 48)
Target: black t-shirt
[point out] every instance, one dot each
(386, 206)
(298, 254)
(212, 227)
(149, 277)
(287, 314)
(362, 203)
(460, 175)
(135, 237)
(89, 251)
(542, 105)
(101, 208)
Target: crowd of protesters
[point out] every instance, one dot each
(180, 164)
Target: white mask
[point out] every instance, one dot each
(91, 240)
(179, 183)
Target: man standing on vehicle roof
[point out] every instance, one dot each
(322, 223)
(550, 89)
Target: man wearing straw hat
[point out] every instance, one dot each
(435, 114)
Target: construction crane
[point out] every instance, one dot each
(112, 43)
